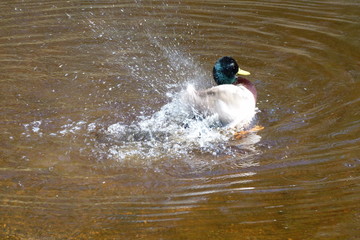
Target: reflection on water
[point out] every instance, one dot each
(96, 143)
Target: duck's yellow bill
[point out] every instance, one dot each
(243, 72)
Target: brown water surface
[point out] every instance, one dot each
(93, 143)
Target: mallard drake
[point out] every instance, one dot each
(233, 101)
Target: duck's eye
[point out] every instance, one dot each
(232, 66)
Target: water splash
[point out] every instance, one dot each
(175, 130)
(159, 63)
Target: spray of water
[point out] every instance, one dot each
(175, 130)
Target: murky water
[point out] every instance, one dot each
(93, 143)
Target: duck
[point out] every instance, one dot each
(232, 101)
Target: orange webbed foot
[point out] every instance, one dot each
(241, 134)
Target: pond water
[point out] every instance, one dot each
(93, 143)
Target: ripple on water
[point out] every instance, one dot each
(95, 143)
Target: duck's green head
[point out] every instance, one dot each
(225, 71)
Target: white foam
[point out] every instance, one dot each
(175, 129)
